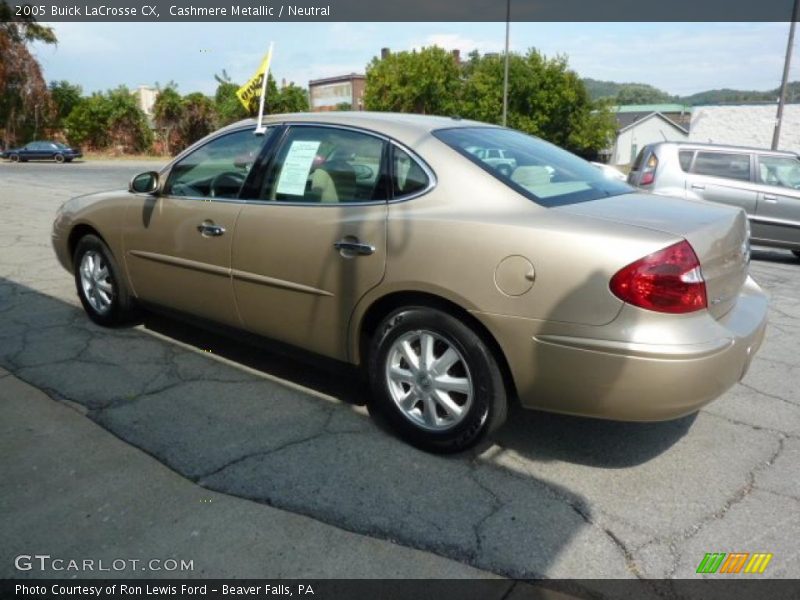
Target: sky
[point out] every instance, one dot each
(680, 58)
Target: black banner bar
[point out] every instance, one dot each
(405, 11)
(724, 588)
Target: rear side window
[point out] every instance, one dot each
(728, 165)
(685, 158)
(637, 164)
(407, 176)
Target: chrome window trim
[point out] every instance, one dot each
(429, 172)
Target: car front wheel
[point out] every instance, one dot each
(102, 292)
(435, 380)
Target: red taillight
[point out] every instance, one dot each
(649, 172)
(667, 281)
(647, 178)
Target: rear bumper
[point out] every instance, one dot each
(670, 369)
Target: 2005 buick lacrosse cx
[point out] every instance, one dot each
(457, 283)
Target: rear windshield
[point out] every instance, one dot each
(537, 169)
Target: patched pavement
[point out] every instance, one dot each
(552, 496)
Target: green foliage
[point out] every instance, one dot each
(109, 119)
(24, 99)
(227, 105)
(197, 120)
(65, 96)
(343, 106)
(545, 97)
(167, 113)
(426, 82)
(290, 98)
(638, 93)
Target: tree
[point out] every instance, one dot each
(425, 82)
(197, 118)
(290, 98)
(24, 98)
(228, 108)
(65, 96)
(545, 98)
(110, 119)
(637, 93)
(167, 112)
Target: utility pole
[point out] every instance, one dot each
(505, 74)
(784, 82)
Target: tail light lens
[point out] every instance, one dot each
(668, 281)
(649, 171)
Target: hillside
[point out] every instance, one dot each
(642, 93)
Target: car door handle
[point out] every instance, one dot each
(770, 198)
(354, 247)
(210, 230)
(697, 186)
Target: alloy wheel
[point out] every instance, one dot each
(96, 282)
(429, 380)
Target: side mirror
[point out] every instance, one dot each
(144, 183)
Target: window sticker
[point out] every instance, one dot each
(296, 167)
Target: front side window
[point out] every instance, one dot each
(728, 165)
(327, 165)
(218, 169)
(779, 170)
(541, 171)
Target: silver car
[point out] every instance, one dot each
(765, 183)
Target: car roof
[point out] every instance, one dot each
(402, 126)
(701, 146)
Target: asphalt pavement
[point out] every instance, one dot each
(275, 435)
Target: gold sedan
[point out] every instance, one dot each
(461, 264)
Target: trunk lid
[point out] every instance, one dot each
(718, 234)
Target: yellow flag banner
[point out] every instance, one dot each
(252, 89)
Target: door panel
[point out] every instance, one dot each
(777, 218)
(315, 243)
(292, 284)
(174, 264)
(178, 244)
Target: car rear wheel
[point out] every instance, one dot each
(435, 380)
(101, 289)
(59, 158)
(14, 158)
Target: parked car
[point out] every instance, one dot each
(42, 151)
(611, 171)
(455, 287)
(765, 183)
(498, 158)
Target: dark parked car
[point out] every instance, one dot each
(42, 151)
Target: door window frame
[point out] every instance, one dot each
(751, 162)
(271, 134)
(387, 164)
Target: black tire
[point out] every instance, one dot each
(122, 307)
(67, 159)
(14, 157)
(796, 253)
(488, 407)
(59, 158)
